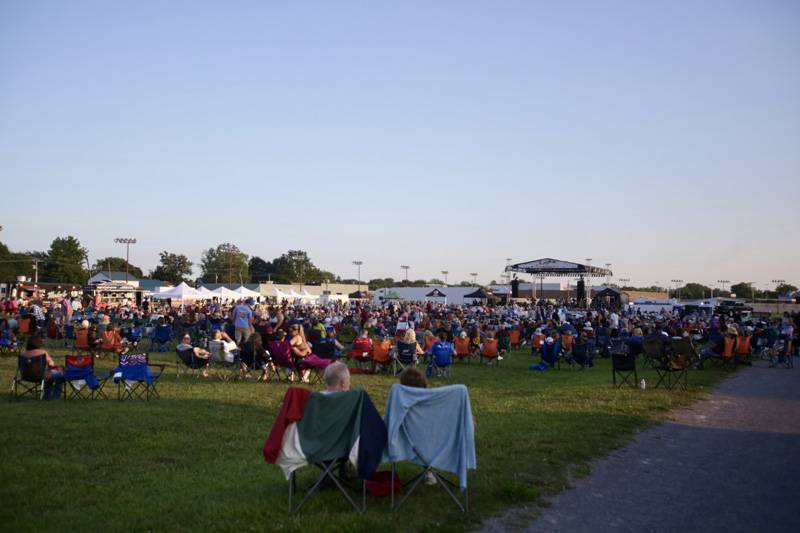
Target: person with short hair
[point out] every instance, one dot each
(242, 321)
(200, 353)
(337, 377)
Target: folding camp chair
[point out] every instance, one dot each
(160, 338)
(727, 359)
(134, 377)
(226, 366)
(624, 364)
(489, 351)
(6, 343)
(579, 355)
(81, 381)
(743, 352)
(653, 351)
(462, 348)
(281, 352)
(671, 367)
(325, 349)
(188, 363)
(405, 356)
(441, 361)
(438, 437)
(503, 344)
(382, 354)
(514, 337)
(337, 427)
(30, 377)
(361, 351)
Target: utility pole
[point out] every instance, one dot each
(127, 241)
(35, 271)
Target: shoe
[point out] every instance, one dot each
(499, 357)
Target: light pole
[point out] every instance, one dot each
(722, 283)
(358, 264)
(677, 289)
(778, 283)
(623, 281)
(405, 267)
(445, 273)
(474, 277)
(127, 241)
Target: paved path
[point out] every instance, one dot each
(729, 463)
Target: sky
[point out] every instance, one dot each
(662, 137)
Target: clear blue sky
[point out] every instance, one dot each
(662, 137)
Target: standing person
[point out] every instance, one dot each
(242, 321)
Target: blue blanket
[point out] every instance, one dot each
(431, 427)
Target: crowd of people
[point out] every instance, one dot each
(303, 337)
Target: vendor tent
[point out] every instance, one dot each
(245, 292)
(181, 292)
(226, 294)
(479, 294)
(206, 293)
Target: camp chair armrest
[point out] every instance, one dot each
(160, 366)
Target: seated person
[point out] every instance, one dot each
(300, 349)
(337, 378)
(409, 346)
(199, 353)
(221, 341)
(54, 375)
(253, 353)
(442, 353)
(112, 341)
(362, 346)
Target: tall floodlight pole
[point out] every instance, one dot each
(474, 277)
(127, 241)
(778, 283)
(358, 264)
(445, 273)
(677, 288)
(405, 267)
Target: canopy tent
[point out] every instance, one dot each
(245, 292)
(226, 294)
(206, 294)
(280, 295)
(181, 292)
(305, 294)
(479, 294)
(436, 293)
(549, 268)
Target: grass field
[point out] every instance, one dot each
(192, 459)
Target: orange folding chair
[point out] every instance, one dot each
(381, 354)
(489, 351)
(462, 348)
(514, 337)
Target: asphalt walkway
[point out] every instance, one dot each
(728, 463)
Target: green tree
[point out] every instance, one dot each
(785, 288)
(260, 270)
(117, 264)
(692, 291)
(65, 261)
(173, 268)
(436, 281)
(746, 290)
(225, 264)
(295, 266)
(381, 283)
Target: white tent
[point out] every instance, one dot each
(206, 293)
(247, 293)
(181, 292)
(226, 294)
(281, 296)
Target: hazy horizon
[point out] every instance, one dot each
(660, 137)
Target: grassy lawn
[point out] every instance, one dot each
(192, 459)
